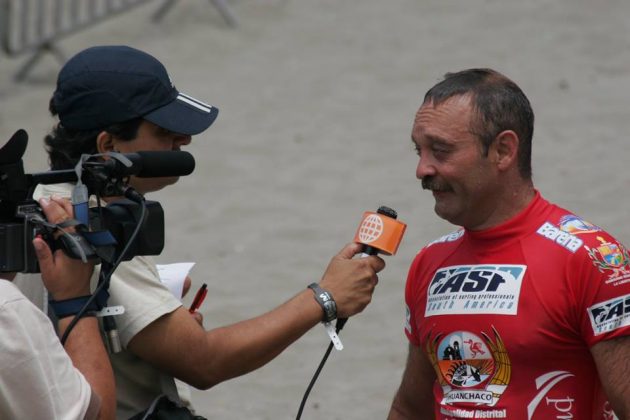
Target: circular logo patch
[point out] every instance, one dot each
(464, 359)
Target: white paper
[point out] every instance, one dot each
(173, 276)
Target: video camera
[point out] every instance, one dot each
(132, 225)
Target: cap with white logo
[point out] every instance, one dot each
(106, 85)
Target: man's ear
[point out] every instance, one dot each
(105, 142)
(505, 149)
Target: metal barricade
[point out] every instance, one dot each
(36, 25)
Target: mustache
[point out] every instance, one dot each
(434, 184)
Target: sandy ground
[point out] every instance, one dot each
(317, 100)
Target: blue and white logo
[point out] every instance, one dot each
(475, 289)
(610, 315)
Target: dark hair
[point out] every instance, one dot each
(65, 146)
(498, 105)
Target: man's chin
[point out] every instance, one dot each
(443, 209)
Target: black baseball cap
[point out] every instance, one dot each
(106, 85)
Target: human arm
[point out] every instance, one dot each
(612, 358)
(414, 398)
(66, 278)
(178, 345)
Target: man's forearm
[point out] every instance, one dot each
(87, 352)
(178, 345)
(245, 346)
(206, 358)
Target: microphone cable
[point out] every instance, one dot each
(338, 326)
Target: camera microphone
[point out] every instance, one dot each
(140, 164)
(151, 164)
(156, 164)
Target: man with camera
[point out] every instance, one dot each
(119, 99)
(39, 379)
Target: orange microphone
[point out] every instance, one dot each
(378, 232)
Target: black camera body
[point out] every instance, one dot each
(16, 254)
(121, 217)
(21, 218)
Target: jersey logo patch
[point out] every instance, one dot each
(475, 289)
(610, 315)
(570, 223)
(560, 237)
(560, 407)
(611, 258)
(471, 369)
(451, 237)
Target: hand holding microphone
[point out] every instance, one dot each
(347, 286)
(350, 281)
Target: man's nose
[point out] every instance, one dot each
(424, 168)
(181, 140)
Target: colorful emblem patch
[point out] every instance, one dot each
(570, 223)
(612, 258)
(470, 369)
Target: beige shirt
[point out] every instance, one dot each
(135, 285)
(37, 379)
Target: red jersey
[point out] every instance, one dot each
(507, 315)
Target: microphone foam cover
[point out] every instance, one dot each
(166, 163)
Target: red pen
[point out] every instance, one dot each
(199, 297)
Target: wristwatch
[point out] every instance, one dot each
(326, 301)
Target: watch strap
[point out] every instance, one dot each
(326, 301)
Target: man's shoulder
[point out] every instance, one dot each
(14, 304)
(578, 235)
(9, 292)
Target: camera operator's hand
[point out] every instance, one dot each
(350, 281)
(64, 277)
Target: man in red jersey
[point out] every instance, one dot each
(523, 313)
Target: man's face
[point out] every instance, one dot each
(452, 163)
(152, 138)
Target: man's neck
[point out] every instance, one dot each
(511, 200)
